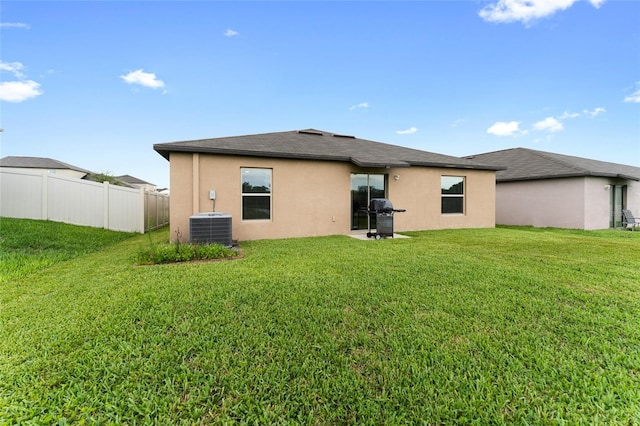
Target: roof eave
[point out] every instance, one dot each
(628, 177)
(379, 165)
(569, 175)
(458, 166)
(166, 151)
(613, 175)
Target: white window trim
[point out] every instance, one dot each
(254, 194)
(463, 195)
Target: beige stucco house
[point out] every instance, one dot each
(49, 165)
(545, 189)
(312, 183)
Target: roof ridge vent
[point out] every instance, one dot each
(335, 135)
(310, 132)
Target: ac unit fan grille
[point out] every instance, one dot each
(210, 228)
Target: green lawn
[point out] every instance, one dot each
(506, 325)
(30, 245)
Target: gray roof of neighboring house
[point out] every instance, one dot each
(37, 163)
(311, 144)
(529, 164)
(132, 180)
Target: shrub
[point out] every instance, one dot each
(181, 252)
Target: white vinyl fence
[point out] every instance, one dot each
(40, 195)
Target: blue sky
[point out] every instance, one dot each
(96, 84)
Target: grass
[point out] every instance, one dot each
(156, 254)
(30, 245)
(493, 326)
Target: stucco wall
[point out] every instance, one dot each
(555, 203)
(633, 197)
(418, 191)
(575, 203)
(597, 209)
(313, 198)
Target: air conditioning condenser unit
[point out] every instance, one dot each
(210, 228)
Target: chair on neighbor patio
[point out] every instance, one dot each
(629, 221)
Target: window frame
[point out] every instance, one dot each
(461, 196)
(244, 194)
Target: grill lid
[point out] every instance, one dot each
(380, 204)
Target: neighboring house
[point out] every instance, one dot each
(43, 164)
(134, 182)
(59, 168)
(544, 189)
(312, 183)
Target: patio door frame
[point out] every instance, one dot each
(364, 187)
(618, 202)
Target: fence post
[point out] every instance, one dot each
(141, 224)
(44, 213)
(156, 197)
(105, 204)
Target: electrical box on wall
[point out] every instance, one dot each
(212, 194)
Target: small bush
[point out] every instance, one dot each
(176, 252)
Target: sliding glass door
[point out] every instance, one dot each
(364, 187)
(618, 202)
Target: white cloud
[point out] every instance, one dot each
(14, 68)
(361, 105)
(549, 124)
(526, 11)
(231, 33)
(409, 131)
(18, 91)
(503, 128)
(15, 25)
(591, 114)
(635, 96)
(142, 78)
(566, 115)
(595, 112)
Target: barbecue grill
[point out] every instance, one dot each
(383, 211)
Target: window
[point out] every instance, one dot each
(452, 188)
(256, 194)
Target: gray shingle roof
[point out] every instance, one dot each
(37, 163)
(529, 164)
(313, 144)
(132, 180)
